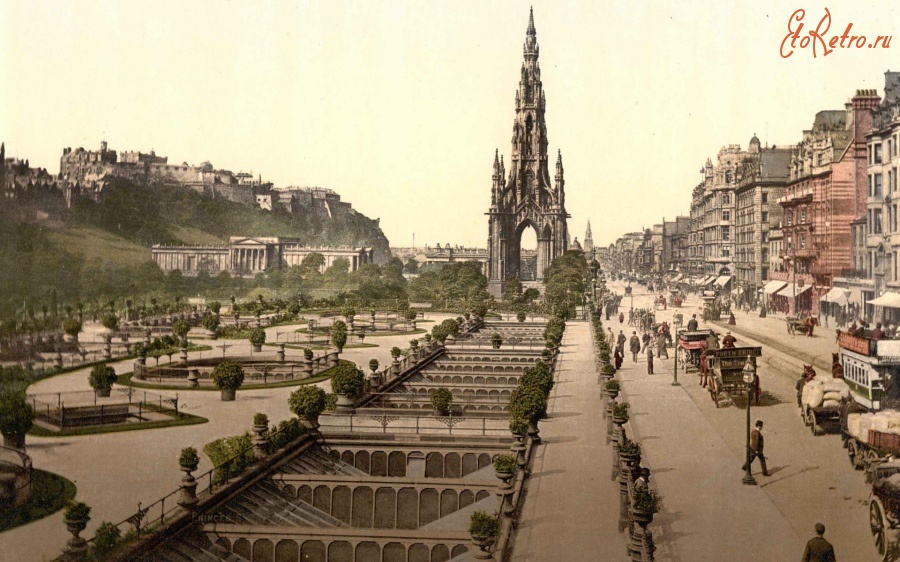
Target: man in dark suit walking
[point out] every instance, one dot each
(757, 443)
(818, 549)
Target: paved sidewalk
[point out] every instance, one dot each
(571, 506)
(708, 514)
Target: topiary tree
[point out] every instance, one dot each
(528, 403)
(211, 322)
(348, 381)
(102, 378)
(411, 314)
(441, 399)
(16, 419)
(228, 377)
(72, 327)
(180, 328)
(189, 458)
(339, 335)
(505, 464)
(257, 338)
(521, 316)
(307, 402)
(480, 310)
(110, 321)
(483, 526)
(307, 354)
(496, 341)
(518, 427)
(215, 307)
(349, 313)
(396, 352)
(539, 376)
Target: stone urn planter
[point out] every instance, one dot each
(228, 394)
(76, 547)
(639, 516)
(344, 405)
(484, 547)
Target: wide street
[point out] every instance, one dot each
(115, 471)
(695, 452)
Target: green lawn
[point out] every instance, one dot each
(182, 419)
(49, 493)
(95, 243)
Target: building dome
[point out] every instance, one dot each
(754, 143)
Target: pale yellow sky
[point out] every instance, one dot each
(399, 106)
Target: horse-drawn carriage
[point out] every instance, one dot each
(675, 299)
(800, 324)
(884, 509)
(660, 302)
(691, 346)
(726, 369)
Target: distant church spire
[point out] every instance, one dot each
(587, 233)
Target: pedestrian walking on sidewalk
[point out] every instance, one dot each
(634, 345)
(817, 548)
(649, 361)
(619, 356)
(661, 350)
(646, 341)
(731, 320)
(621, 317)
(757, 444)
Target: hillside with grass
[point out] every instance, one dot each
(101, 249)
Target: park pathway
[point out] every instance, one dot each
(571, 505)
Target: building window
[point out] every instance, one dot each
(765, 197)
(877, 155)
(894, 219)
(726, 199)
(803, 241)
(789, 242)
(877, 187)
(890, 147)
(790, 218)
(877, 218)
(870, 185)
(765, 237)
(726, 215)
(726, 234)
(765, 217)
(802, 216)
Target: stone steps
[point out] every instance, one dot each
(265, 504)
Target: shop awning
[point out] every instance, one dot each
(678, 277)
(890, 300)
(723, 280)
(707, 280)
(773, 287)
(788, 290)
(836, 295)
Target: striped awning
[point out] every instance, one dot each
(773, 287)
(792, 289)
(890, 300)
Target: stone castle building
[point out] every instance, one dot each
(526, 198)
(245, 256)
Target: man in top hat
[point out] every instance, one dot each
(757, 444)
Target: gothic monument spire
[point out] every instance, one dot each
(527, 198)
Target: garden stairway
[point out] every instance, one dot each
(265, 504)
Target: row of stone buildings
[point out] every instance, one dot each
(249, 256)
(808, 227)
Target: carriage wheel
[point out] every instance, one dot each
(879, 530)
(813, 423)
(714, 390)
(804, 416)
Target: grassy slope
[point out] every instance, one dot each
(94, 243)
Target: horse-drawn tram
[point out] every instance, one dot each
(727, 369)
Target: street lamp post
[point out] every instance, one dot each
(749, 371)
(675, 353)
